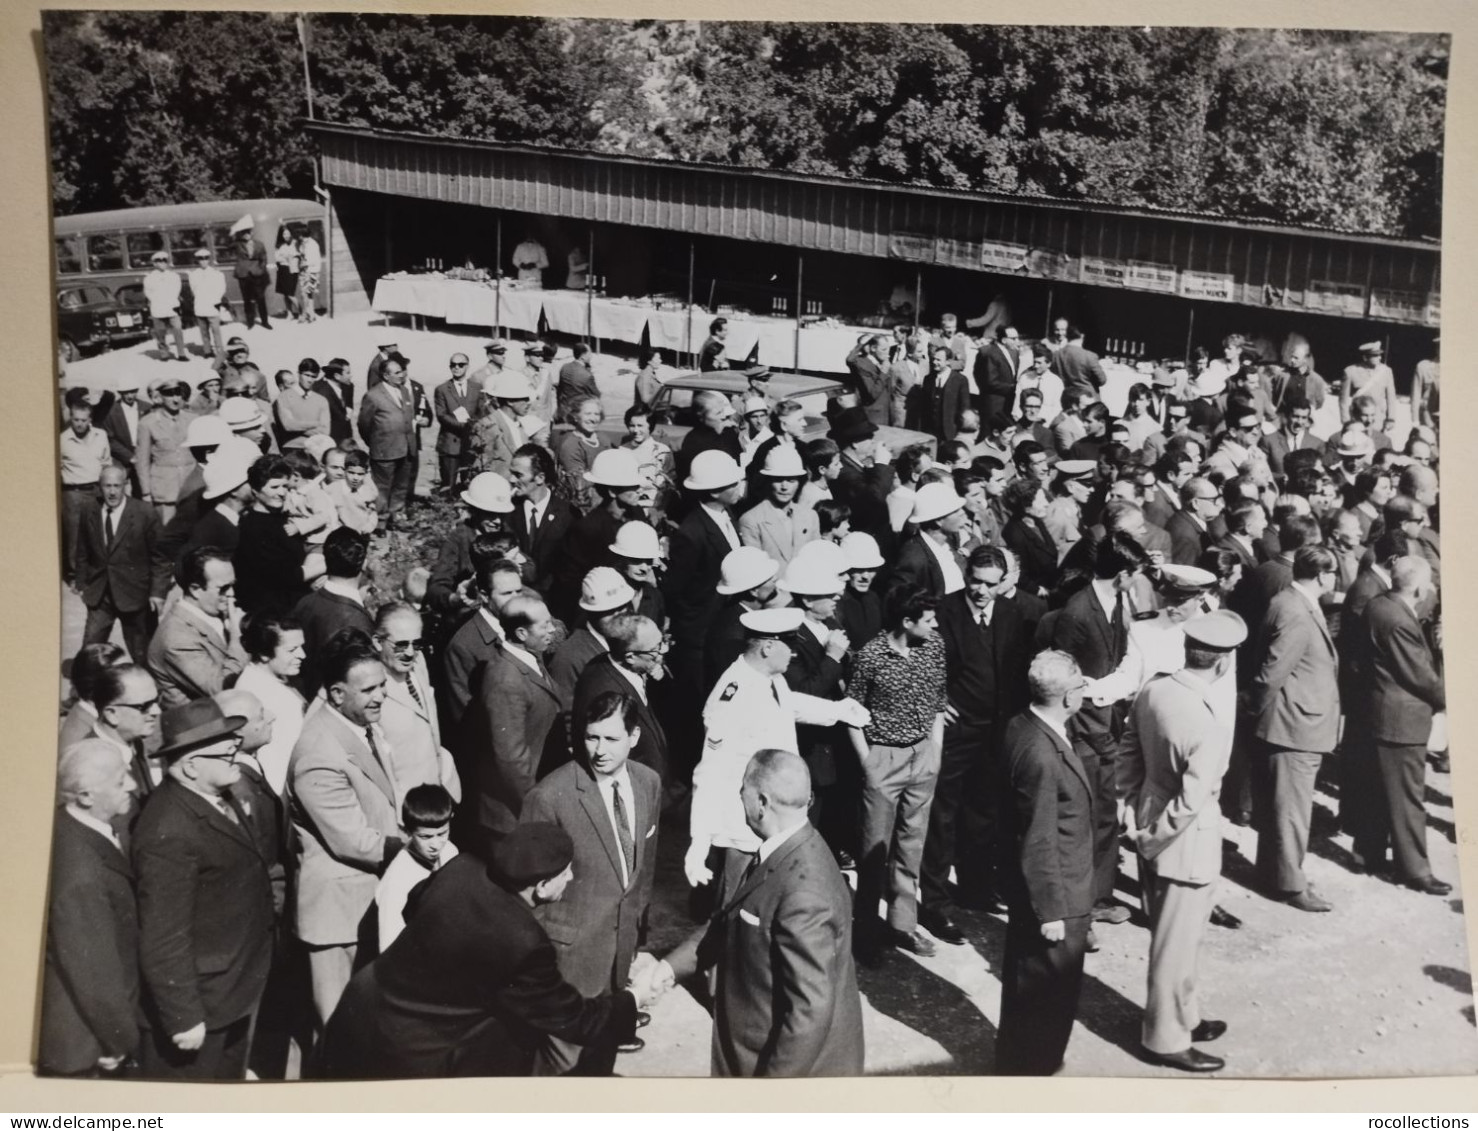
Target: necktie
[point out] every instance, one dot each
(410, 685)
(1120, 643)
(108, 529)
(229, 810)
(623, 831)
(750, 869)
(369, 736)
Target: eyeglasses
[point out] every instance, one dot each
(224, 755)
(459, 365)
(661, 650)
(406, 647)
(143, 706)
(237, 393)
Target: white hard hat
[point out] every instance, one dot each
(823, 554)
(614, 467)
(861, 551)
(933, 501)
(489, 492)
(744, 569)
(809, 577)
(783, 462)
(207, 432)
(603, 590)
(637, 541)
(713, 470)
(509, 385)
(224, 475)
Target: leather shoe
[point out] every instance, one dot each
(643, 1019)
(915, 943)
(636, 1044)
(1208, 1031)
(1223, 918)
(1191, 1060)
(941, 926)
(1306, 900)
(1110, 913)
(1430, 886)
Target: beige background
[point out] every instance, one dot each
(28, 567)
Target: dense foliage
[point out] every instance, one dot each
(1333, 128)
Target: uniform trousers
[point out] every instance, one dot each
(898, 788)
(1399, 812)
(1283, 806)
(394, 478)
(1179, 915)
(209, 326)
(1040, 986)
(170, 325)
(136, 627)
(330, 968)
(222, 1055)
(254, 300)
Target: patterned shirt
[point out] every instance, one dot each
(904, 693)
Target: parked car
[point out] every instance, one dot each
(92, 317)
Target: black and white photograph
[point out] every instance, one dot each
(715, 548)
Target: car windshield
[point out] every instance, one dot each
(132, 294)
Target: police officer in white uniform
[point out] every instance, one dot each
(750, 709)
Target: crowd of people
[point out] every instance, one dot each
(305, 829)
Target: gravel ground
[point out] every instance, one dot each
(1379, 987)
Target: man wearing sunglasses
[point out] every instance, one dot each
(408, 716)
(456, 402)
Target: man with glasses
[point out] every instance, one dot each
(1294, 704)
(196, 648)
(205, 904)
(456, 401)
(637, 659)
(127, 704)
(387, 425)
(335, 605)
(408, 716)
(164, 290)
(1236, 443)
(997, 367)
(1191, 528)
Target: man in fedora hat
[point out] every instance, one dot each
(489, 500)
(507, 426)
(386, 349)
(1370, 377)
(205, 903)
(456, 400)
(775, 524)
(864, 482)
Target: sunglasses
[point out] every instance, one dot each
(143, 705)
(406, 647)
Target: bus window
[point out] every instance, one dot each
(141, 245)
(184, 242)
(68, 258)
(225, 246)
(104, 253)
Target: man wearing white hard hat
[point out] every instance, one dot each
(751, 708)
(209, 439)
(162, 457)
(508, 426)
(1175, 751)
(635, 555)
(617, 480)
(245, 418)
(223, 497)
(489, 500)
(776, 524)
(860, 609)
(928, 561)
(604, 595)
(747, 581)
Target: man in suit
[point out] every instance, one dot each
(868, 378)
(1190, 527)
(997, 366)
(511, 718)
(479, 639)
(862, 483)
(775, 524)
(1405, 689)
(126, 702)
(943, 395)
(251, 277)
(337, 387)
(408, 715)
(90, 985)
(115, 552)
(617, 479)
(342, 802)
(1048, 805)
(196, 648)
(632, 665)
(927, 560)
(1172, 471)
(472, 986)
(540, 518)
(335, 605)
(1294, 435)
(1294, 704)
(1247, 522)
(456, 399)
(1078, 367)
(488, 501)
(121, 425)
(986, 646)
(504, 423)
(603, 597)
(780, 941)
(387, 425)
(205, 904)
(609, 805)
(374, 373)
(1177, 747)
(162, 458)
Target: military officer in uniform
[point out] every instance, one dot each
(750, 709)
(1176, 750)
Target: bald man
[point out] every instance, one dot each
(786, 1002)
(90, 992)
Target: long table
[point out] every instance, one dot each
(823, 348)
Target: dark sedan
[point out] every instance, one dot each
(90, 318)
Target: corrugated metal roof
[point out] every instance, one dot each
(923, 192)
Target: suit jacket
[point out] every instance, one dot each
(1248, 558)
(1294, 695)
(865, 491)
(1028, 539)
(939, 404)
(340, 403)
(785, 985)
(1403, 683)
(996, 370)
(491, 443)
(251, 261)
(508, 726)
(1161, 504)
(986, 693)
(323, 614)
(90, 987)
(471, 987)
(188, 660)
(1079, 368)
(451, 438)
(123, 569)
(544, 544)
(1278, 444)
(413, 733)
(472, 647)
(1187, 540)
(205, 911)
(766, 527)
(387, 425)
(121, 442)
(342, 802)
(600, 676)
(161, 458)
(1083, 631)
(869, 381)
(596, 925)
(568, 660)
(917, 566)
(1174, 755)
(696, 552)
(1049, 812)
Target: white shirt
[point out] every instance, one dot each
(1107, 596)
(534, 511)
(131, 418)
(344, 587)
(524, 657)
(162, 289)
(770, 844)
(493, 623)
(720, 515)
(312, 256)
(636, 681)
(982, 616)
(606, 786)
(817, 629)
(954, 580)
(208, 286)
(116, 512)
(1057, 728)
(100, 827)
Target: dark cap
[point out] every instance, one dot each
(308, 365)
(851, 425)
(531, 854)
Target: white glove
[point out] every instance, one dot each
(695, 864)
(853, 713)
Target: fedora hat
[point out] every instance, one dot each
(713, 470)
(1353, 445)
(934, 501)
(616, 468)
(193, 725)
(603, 590)
(851, 425)
(744, 569)
(489, 492)
(241, 414)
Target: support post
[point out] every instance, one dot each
(688, 323)
(1190, 331)
(498, 279)
(800, 274)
